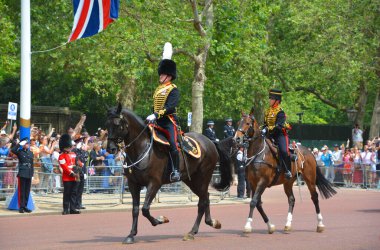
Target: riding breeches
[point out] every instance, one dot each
(283, 145)
(169, 124)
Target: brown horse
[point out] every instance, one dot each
(147, 163)
(261, 171)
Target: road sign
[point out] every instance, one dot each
(189, 117)
(12, 111)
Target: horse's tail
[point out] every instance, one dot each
(325, 187)
(225, 162)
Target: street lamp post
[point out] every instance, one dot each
(351, 114)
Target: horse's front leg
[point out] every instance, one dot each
(258, 191)
(288, 188)
(151, 192)
(271, 227)
(135, 192)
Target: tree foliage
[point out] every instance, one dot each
(322, 52)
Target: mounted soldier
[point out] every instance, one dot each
(276, 127)
(166, 98)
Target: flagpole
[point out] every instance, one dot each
(25, 92)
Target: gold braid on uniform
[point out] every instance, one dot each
(271, 116)
(160, 95)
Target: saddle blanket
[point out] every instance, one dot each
(189, 145)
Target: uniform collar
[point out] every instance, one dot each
(166, 84)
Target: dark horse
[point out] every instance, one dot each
(147, 166)
(261, 172)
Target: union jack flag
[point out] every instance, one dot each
(92, 16)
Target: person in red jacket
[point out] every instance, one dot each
(67, 161)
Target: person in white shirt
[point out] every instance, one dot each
(357, 137)
(57, 170)
(368, 157)
(317, 154)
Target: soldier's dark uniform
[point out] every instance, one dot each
(276, 126)
(25, 173)
(166, 99)
(227, 129)
(210, 132)
(82, 156)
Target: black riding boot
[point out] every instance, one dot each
(175, 175)
(287, 165)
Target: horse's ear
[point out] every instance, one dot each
(252, 111)
(119, 108)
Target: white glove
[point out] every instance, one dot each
(216, 140)
(151, 118)
(264, 131)
(85, 176)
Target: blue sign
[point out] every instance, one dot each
(12, 111)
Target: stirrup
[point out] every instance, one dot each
(175, 176)
(288, 174)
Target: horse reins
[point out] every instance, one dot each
(149, 146)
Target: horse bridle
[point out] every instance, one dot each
(247, 139)
(118, 140)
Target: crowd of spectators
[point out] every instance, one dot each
(45, 148)
(355, 167)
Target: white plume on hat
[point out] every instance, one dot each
(168, 51)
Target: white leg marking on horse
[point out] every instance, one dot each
(289, 220)
(320, 218)
(271, 227)
(248, 227)
(320, 227)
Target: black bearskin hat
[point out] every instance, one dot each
(168, 67)
(65, 142)
(275, 94)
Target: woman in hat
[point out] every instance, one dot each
(166, 99)
(25, 172)
(276, 127)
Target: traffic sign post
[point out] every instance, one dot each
(12, 111)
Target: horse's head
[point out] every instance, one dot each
(246, 129)
(117, 127)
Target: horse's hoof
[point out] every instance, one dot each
(287, 229)
(163, 219)
(271, 229)
(216, 224)
(247, 230)
(129, 240)
(320, 229)
(188, 236)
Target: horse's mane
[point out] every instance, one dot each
(113, 112)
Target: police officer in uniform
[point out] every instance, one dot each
(82, 156)
(210, 132)
(166, 99)
(228, 129)
(67, 161)
(276, 127)
(25, 172)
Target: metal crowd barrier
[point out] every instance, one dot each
(109, 186)
(353, 175)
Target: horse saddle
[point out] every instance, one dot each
(188, 144)
(274, 149)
